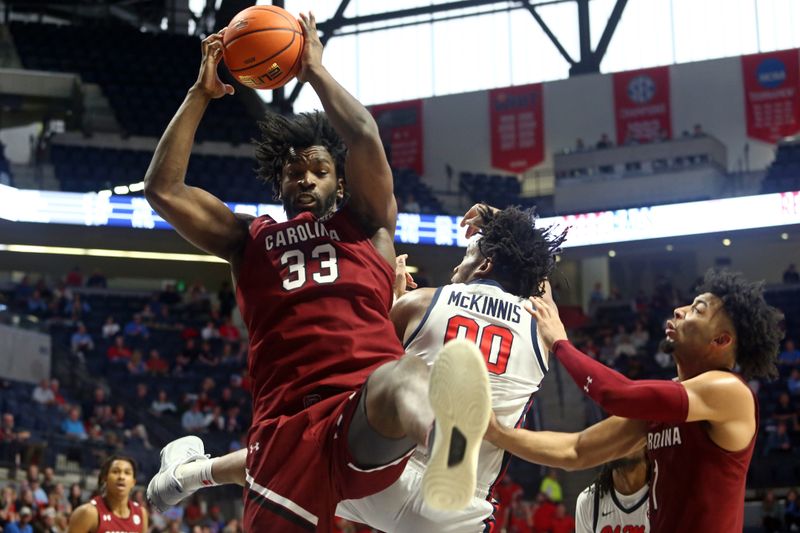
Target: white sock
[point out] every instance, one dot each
(195, 475)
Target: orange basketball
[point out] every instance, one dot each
(262, 47)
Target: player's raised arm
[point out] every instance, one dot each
(605, 441)
(197, 215)
(369, 178)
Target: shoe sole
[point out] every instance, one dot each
(460, 396)
(165, 465)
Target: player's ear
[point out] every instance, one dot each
(339, 189)
(484, 269)
(723, 339)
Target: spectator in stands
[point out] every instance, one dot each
(37, 306)
(23, 524)
(697, 131)
(193, 420)
(206, 356)
(411, 204)
(597, 296)
(625, 348)
(43, 394)
(162, 404)
(520, 517)
(791, 275)
(163, 320)
(785, 411)
(8, 499)
(791, 511)
(147, 314)
(215, 420)
(97, 404)
(142, 396)
(209, 331)
(72, 426)
(97, 280)
(550, 486)
(55, 388)
(608, 352)
(23, 290)
(793, 382)
(169, 296)
(12, 439)
(49, 479)
(39, 494)
(135, 329)
(579, 145)
(604, 142)
(229, 332)
(790, 355)
(74, 278)
(543, 512)
(118, 352)
(156, 365)
(562, 521)
(76, 308)
(75, 497)
(506, 492)
(771, 513)
(778, 441)
(227, 299)
(640, 336)
(110, 328)
(135, 365)
(81, 342)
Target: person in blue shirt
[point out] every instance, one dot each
(23, 525)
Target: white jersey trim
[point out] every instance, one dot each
(280, 500)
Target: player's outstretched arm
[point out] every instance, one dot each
(654, 400)
(605, 441)
(197, 215)
(369, 178)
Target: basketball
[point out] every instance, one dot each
(262, 47)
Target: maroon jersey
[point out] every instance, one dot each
(108, 522)
(315, 296)
(695, 484)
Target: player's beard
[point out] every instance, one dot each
(320, 210)
(667, 346)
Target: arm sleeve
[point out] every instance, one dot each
(654, 400)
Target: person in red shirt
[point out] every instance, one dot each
(700, 430)
(562, 522)
(112, 510)
(228, 332)
(118, 352)
(543, 514)
(337, 406)
(506, 493)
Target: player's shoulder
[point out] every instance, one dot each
(417, 299)
(85, 517)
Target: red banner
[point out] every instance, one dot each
(642, 105)
(770, 94)
(517, 123)
(400, 125)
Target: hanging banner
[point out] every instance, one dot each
(771, 94)
(400, 125)
(517, 122)
(642, 105)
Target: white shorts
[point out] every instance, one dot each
(400, 509)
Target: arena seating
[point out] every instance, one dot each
(496, 190)
(144, 82)
(784, 173)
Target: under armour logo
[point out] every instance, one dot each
(254, 447)
(106, 518)
(588, 382)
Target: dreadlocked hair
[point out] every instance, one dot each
(523, 256)
(101, 477)
(280, 134)
(756, 323)
(604, 482)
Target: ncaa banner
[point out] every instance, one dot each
(770, 94)
(517, 123)
(642, 105)
(400, 125)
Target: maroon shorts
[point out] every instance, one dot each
(299, 468)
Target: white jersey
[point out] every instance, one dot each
(613, 512)
(496, 321)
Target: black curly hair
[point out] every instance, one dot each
(280, 134)
(523, 256)
(756, 323)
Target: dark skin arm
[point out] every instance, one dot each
(369, 178)
(200, 217)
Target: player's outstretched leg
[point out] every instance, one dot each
(460, 395)
(185, 469)
(165, 489)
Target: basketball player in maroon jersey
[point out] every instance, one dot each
(699, 430)
(337, 409)
(112, 509)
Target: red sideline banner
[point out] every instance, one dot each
(770, 94)
(517, 122)
(642, 105)
(400, 125)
